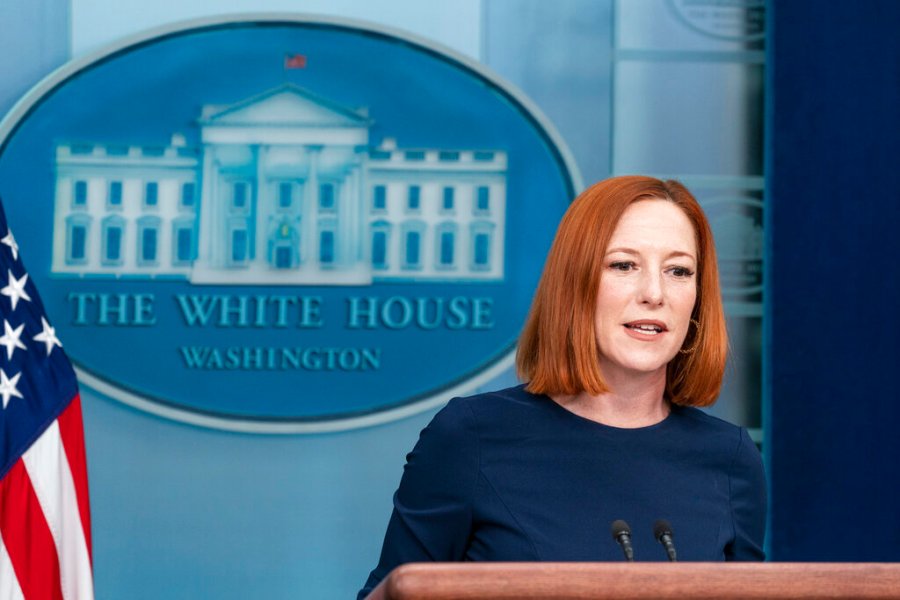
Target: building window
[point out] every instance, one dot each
(447, 204)
(151, 193)
(113, 234)
(445, 249)
(284, 243)
(326, 247)
(447, 239)
(379, 198)
(412, 248)
(379, 249)
(282, 257)
(285, 194)
(238, 245)
(326, 197)
(148, 239)
(182, 242)
(413, 232)
(380, 241)
(114, 244)
(415, 155)
(188, 191)
(77, 227)
(413, 197)
(114, 200)
(448, 155)
(79, 198)
(481, 235)
(78, 239)
(482, 249)
(240, 191)
(483, 199)
(148, 244)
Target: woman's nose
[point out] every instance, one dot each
(651, 291)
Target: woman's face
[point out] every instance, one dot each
(647, 289)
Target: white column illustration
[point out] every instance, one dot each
(261, 209)
(353, 208)
(345, 218)
(208, 242)
(362, 209)
(312, 223)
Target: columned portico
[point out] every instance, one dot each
(282, 136)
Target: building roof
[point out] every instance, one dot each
(285, 105)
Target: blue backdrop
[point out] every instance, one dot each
(833, 186)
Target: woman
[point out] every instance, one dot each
(626, 336)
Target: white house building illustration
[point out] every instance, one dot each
(284, 189)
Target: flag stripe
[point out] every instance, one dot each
(73, 441)
(44, 518)
(27, 537)
(9, 585)
(51, 479)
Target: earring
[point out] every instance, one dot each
(696, 335)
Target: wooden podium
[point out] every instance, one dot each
(639, 581)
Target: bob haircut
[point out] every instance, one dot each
(558, 352)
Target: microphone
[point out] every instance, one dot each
(662, 531)
(621, 532)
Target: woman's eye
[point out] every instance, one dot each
(623, 266)
(681, 272)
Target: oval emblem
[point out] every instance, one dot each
(282, 225)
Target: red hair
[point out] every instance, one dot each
(558, 353)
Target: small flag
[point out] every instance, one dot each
(45, 522)
(294, 61)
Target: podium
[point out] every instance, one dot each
(639, 581)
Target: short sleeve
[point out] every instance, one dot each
(431, 520)
(747, 482)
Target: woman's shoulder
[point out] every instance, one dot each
(696, 419)
(495, 411)
(713, 431)
(499, 404)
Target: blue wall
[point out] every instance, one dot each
(832, 323)
(35, 40)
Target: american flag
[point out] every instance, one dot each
(45, 524)
(294, 61)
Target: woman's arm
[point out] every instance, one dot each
(431, 520)
(747, 482)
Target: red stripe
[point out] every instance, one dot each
(27, 537)
(72, 433)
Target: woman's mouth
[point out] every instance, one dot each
(650, 328)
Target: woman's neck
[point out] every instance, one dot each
(633, 401)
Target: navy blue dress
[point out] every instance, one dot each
(513, 476)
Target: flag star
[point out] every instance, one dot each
(10, 241)
(8, 387)
(10, 338)
(15, 289)
(48, 336)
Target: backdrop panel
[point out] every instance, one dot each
(832, 325)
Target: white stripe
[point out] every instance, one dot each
(52, 480)
(9, 585)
